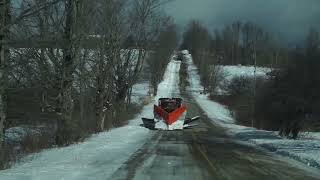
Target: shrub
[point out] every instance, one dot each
(216, 78)
(242, 98)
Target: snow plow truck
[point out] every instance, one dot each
(169, 114)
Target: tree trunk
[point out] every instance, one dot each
(100, 109)
(66, 126)
(4, 52)
(129, 94)
(100, 112)
(43, 66)
(100, 95)
(44, 89)
(82, 85)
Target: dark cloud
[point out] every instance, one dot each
(286, 19)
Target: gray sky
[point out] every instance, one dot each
(286, 19)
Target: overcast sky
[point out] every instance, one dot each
(286, 19)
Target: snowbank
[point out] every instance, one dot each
(220, 114)
(306, 149)
(99, 156)
(303, 150)
(96, 158)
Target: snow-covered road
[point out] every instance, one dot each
(169, 87)
(99, 156)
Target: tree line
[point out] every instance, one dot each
(237, 43)
(286, 100)
(87, 88)
(289, 100)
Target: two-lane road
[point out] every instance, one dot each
(204, 153)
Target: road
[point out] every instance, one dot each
(203, 153)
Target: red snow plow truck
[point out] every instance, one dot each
(169, 114)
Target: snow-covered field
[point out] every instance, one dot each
(230, 72)
(99, 156)
(139, 92)
(248, 71)
(18, 133)
(306, 149)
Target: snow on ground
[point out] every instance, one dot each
(234, 71)
(230, 72)
(169, 87)
(306, 149)
(139, 92)
(99, 156)
(96, 158)
(214, 110)
(14, 134)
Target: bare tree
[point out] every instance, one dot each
(66, 124)
(164, 46)
(57, 58)
(198, 40)
(118, 69)
(41, 28)
(84, 16)
(43, 18)
(227, 45)
(109, 16)
(145, 24)
(4, 53)
(236, 30)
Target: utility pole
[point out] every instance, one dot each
(254, 85)
(254, 56)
